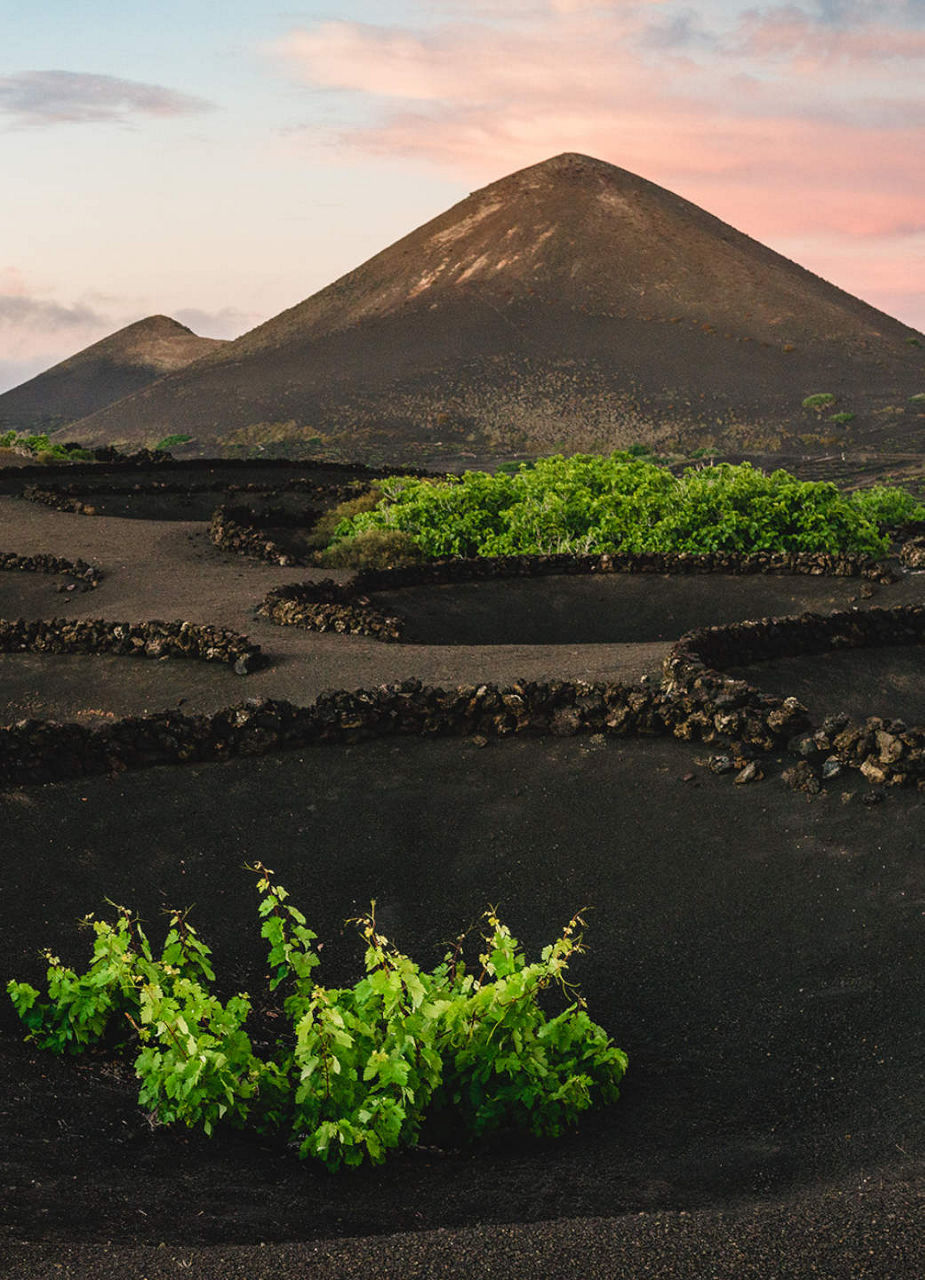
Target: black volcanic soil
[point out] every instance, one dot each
(754, 951)
(621, 609)
(851, 681)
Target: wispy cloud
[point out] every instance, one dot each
(45, 315)
(749, 110)
(791, 34)
(72, 97)
(37, 330)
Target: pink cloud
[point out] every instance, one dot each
(790, 32)
(744, 131)
(460, 64)
(501, 112)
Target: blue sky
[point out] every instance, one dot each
(219, 161)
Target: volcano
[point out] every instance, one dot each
(104, 372)
(571, 305)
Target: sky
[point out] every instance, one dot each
(220, 160)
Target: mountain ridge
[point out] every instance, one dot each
(105, 371)
(571, 303)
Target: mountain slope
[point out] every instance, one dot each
(104, 372)
(569, 305)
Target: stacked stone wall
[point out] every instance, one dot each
(885, 751)
(330, 606)
(40, 751)
(90, 575)
(152, 639)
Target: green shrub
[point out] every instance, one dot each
(356, 1070)
(888, 507)
(326, 525)
(171, 442)
(617, 503)
(42, 448)
(819, 402)
(373, 549)
(842, 419)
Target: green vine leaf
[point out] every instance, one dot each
(355, 1071)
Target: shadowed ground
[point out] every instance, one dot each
(858, 682)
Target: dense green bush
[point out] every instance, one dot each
(324, 527)
(888, 507)
(171, 442)
(357, 1069)
(620, 503)
(373, 549)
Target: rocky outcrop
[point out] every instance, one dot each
(885, 752)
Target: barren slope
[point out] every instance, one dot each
(572, 305)
(104, 372)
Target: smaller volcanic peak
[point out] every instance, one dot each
(157, 342)
(104, 372)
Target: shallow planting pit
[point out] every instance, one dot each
(887, 681)
(619, 608)
(760, 984)
(31, 595)
(93, 689)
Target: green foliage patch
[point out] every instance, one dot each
(42, 448)
(171, 442)
(356, 1070)
(820, 401)
(888, 506)
(324, 527)
(621, 502)
(373, 549)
